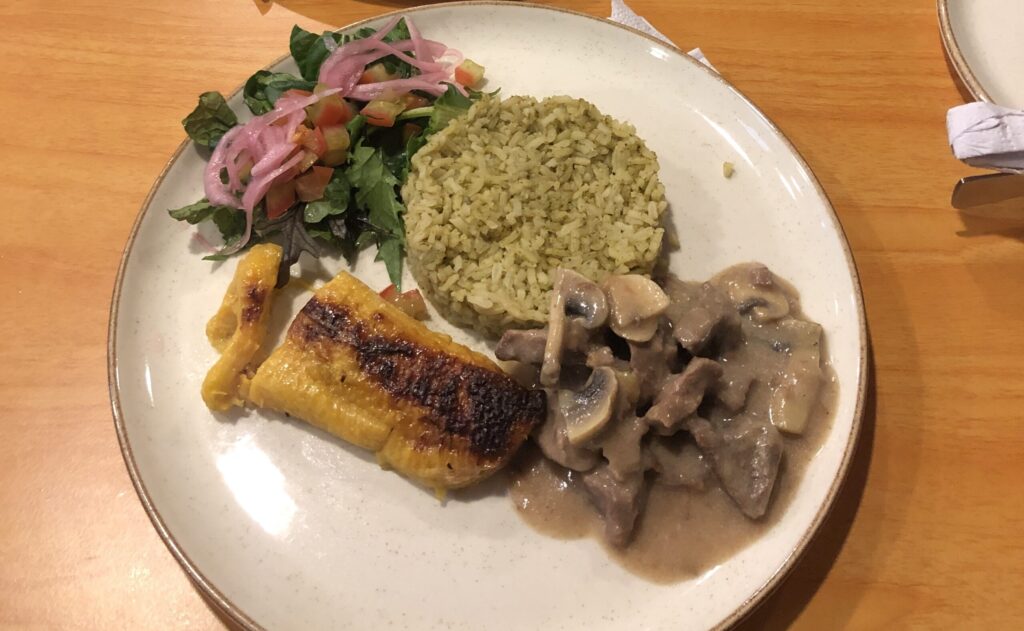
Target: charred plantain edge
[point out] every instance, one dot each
(253, 303)
(485, 407)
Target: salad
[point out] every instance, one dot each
(321, 161)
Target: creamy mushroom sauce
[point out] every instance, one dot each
(681, 533)
(769, 374)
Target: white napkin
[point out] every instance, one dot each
(988, 136)
(622, 14)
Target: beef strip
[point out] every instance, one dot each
(618, 501)
(682, 394)
(652, 361)
(520, 345)
(527, 345)
(745, 455)
(697, 312)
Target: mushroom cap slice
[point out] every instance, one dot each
(551, 366)
(585, 299)
(587, 412)
(576, 295)
(634, 303)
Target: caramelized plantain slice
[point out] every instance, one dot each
(239, 327)
(356, 366)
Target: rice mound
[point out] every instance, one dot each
(516, 188)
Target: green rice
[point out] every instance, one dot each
(516, 188)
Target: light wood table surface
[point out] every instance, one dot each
(927, 532)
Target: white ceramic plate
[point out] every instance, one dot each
(985, 42)
(285, 527)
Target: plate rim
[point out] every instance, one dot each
(956, 56)
(227, 608)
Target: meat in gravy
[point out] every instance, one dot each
(673, 411)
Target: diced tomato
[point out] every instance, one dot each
(296, 92)
(330, 110)
(311, 139)
(310, 186)
(409, 130)
(382, 113)
(410, 302)
(376, 73)
(319, 142)
(280, 198)
(412, 101)
(336, 137)
(469, 73)
(417, 307)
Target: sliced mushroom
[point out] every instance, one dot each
(586, 412)
(555, 445)
(551, 367)
(635, 303)
(795, 391)
(585, 299)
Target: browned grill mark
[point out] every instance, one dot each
(253, 303)
(486, 407)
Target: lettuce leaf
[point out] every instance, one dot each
(230, 221)
(294, 239)
(211, 119)
(264, 88)
(309, 50)
(377, 195)
(334, 202)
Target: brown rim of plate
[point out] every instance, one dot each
(235, 613)
(956, 57)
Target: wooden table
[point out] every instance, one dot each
(927, 532)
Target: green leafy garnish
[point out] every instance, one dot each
(230, 222)
(264, 88)
(377, 195)
(334, 202)
(389, 250)
(294, 239)
(309, 50)
(446, 107)
(211, 119)
(355, 128)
